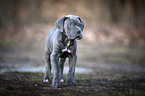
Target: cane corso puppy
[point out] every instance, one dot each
(61, 42)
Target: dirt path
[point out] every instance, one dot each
(106, 84)
(106, 79)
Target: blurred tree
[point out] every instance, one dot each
(128, 14)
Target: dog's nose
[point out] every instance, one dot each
(78, 32)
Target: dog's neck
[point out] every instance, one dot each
(65, 41)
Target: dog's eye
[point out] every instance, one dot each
(80, 25)
(70, 24)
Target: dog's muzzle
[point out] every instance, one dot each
(78, 38)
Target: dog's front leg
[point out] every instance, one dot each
(70, 80)
(56, 77)
(61, 65)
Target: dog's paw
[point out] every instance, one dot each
(46, 81)
(70, 82)
(55, 83)
(62, 80)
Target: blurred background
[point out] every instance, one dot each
(114, 33)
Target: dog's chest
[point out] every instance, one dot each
(66, 48)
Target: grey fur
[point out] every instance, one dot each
(61, 42)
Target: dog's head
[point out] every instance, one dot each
(71, 25)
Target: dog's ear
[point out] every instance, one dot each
(82, 27)
(60, 23)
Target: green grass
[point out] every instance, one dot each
(130, 93)
(36, 79)
(65, 94)
(119, 59)
(82, 76)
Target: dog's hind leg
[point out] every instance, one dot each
(47, 76)
(61, 66)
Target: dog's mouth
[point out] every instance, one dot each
(75, 37)
(78, 38)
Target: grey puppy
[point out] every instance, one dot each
(61, 42)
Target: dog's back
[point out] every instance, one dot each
(52, 35)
